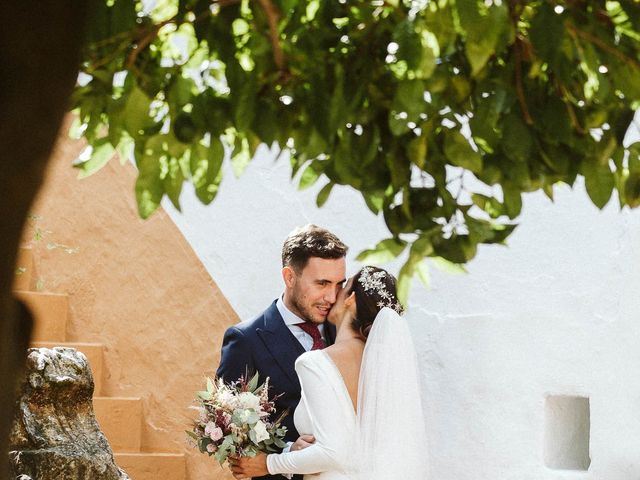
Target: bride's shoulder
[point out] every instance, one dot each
(345, 351)
(308, 358)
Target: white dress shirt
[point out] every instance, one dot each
(290, 319)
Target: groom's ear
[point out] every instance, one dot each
(289, 277)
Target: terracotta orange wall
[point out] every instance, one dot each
(137, 287)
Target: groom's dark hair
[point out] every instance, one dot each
(310, 241)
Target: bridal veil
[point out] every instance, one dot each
(391, 425)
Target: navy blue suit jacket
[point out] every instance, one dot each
(266, 345)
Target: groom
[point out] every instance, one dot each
(313, 270)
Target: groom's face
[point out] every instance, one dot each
(314, 290)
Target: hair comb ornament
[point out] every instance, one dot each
(373, 281)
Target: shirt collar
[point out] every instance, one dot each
(289, 317)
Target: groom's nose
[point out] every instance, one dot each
(330, 295)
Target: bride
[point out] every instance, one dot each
(360, 396)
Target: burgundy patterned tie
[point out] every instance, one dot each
(313, 330)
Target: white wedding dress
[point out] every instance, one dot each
(385, 439)
(326, 412)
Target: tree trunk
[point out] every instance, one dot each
(39, 53)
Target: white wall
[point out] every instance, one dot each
(554, 313)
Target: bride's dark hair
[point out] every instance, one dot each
(375, 288)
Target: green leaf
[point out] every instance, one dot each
(149, 188)
(417, 151)
(632, 190)
(404, 281)
(204, 395)
(512, 200)
(181, 92)
(323, 195)
(253, 383)
(206, 169)
(125, 148)
(244, 103)
(446, 266)
(409, 98)
(599, 182)
(459, 151)
(383, 252)
(136, 112)
(485, 28)
(490, 205)
(101, 153)
(546, 33)
(311, 174)
(337, 102)
(517, 141)
(184, 128)
(422, 269)
(172, 179)
(374, 201)
(241, 156)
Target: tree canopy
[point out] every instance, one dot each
(441, 113)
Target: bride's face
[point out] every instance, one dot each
(345, 301)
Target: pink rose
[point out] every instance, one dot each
(209, 427)
(216, 434)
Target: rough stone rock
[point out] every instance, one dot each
(55, 435)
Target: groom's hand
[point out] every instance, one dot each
(303, 442)
(249, 467)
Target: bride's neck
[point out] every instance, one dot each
(345, 331)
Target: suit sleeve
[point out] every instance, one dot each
(332, 429)
(236, 358)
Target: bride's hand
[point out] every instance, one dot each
(249, 467)
(302, 442)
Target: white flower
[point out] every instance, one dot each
(226, 399)
(204, 417)
(261, 431)
(249, 400)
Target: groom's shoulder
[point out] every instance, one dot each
(253, 323)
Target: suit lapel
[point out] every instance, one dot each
(281, 343)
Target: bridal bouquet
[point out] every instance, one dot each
(236, 420)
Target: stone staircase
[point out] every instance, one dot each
(120, 418)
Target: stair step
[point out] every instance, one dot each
(24, 269)
(152, 466)
(93, 352)
(50, 311)
(120, 419)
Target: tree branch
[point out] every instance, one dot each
(142, 42)
(598, 42)
(515, 9)
(572, 114)
(273, 17)
(519, 88)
